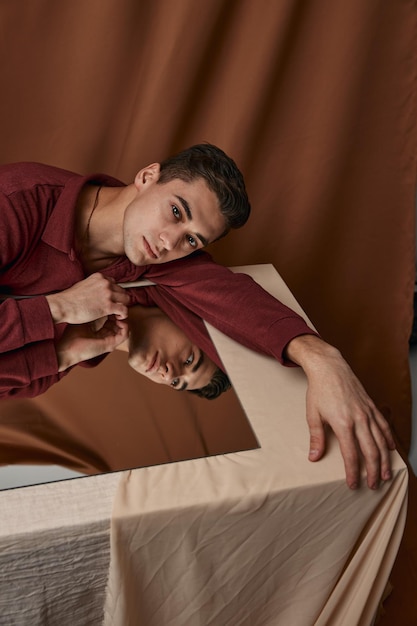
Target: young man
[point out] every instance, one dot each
(157, 348)
(57, 227)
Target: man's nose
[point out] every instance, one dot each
(168, 371)
(169, 240)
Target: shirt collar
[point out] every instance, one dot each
(59, 231)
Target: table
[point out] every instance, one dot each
(261, 537)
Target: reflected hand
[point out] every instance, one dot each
(85, 341)
(336, 397)
(94, 297)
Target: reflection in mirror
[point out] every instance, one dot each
(110, 418)
(160, 350)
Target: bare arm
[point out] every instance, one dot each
(336, 397)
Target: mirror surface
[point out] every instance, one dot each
(110, 418)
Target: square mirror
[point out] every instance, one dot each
(110, 418)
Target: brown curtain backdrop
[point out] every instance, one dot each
(315, 100)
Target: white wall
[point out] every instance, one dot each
(22, 475)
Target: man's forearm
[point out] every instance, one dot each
(308, 351)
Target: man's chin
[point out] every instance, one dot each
(139, 259)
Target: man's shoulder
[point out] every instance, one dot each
(15, 177)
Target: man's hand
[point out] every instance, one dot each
(336, 397)
(85, 341)
(88, 300)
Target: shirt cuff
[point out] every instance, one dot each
(37, 322)
(41, 359)
(283, 332)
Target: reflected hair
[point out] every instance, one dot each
(221, 174)
(218, 384)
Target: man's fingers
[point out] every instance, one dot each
(383, 435)
(317, 438)
(371, 455)
(114, 327)
(385, 429)
(367, 436)
(350, 459)
(384, 452)
(121, 301)
(120, 311)
(118, 299)
(120, 307)
(122, 294)
(356, 438)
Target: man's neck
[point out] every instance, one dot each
(99, 225)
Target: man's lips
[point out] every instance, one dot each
(149, 249)
(154, 364)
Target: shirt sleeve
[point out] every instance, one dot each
(24, 321)
(234, 303)
(28, 371)
(28, 362)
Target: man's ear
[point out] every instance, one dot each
(147, 175)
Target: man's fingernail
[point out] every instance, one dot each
(313, 454)
(387, 475)
(353, 485)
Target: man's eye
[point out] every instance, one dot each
(192, 242)
(190, 359)
(175, 382)
(176, 212)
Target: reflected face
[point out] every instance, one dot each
(162, 352)
(168, 221)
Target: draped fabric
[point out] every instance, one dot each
(315, 101)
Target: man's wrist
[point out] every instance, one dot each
(64, 360)
(308, 351)
(55, 308)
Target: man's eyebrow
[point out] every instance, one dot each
(189, 215)
(195, 368)
(199, 362)
(186, 207)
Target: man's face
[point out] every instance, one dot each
(171, 220)
(162, 352)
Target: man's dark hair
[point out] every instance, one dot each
(218, 384)
(221, 175)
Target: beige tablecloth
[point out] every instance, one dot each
(260, 538)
